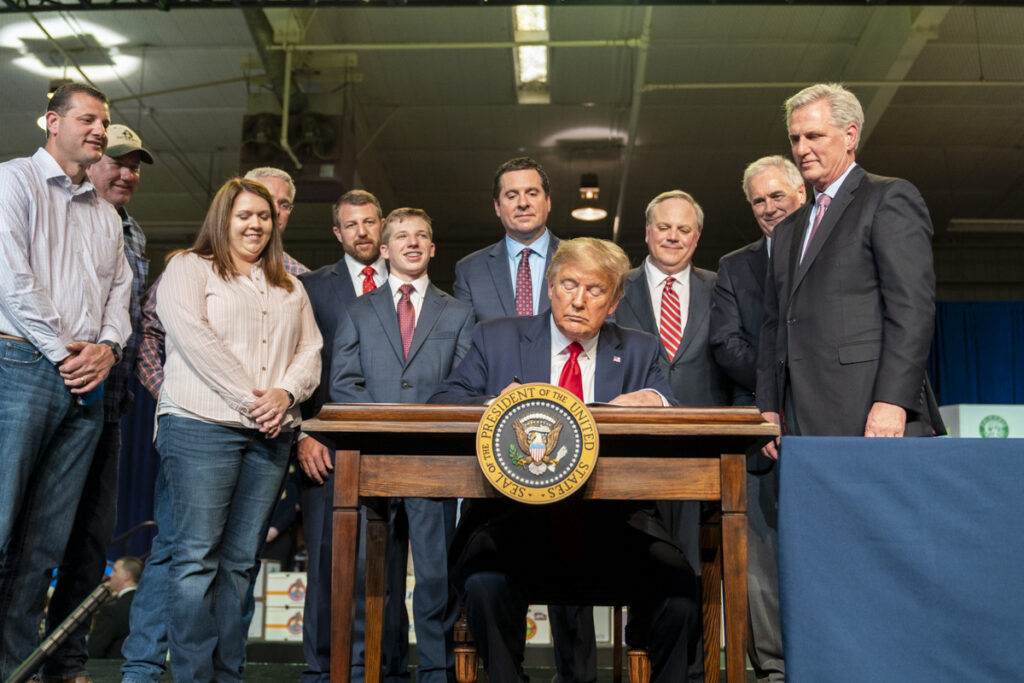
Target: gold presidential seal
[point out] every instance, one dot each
(537, 443)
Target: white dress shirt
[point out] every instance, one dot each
(355, 271)
(419, 287)
(63, 273)
(587, 360)
(656, 285)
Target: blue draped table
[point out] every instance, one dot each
(902, 559)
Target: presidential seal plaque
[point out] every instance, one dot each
(537, 443)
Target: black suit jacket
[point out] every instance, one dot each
(110, 627)
(695, 378)
(737, 311)
(852, 323)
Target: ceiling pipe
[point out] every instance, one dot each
(276, 66)
(284, 109)
(798, 85)
(634, 118)
(503, 45)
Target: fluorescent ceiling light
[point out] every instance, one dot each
(531, 61)
(59, 27)
(531, 18)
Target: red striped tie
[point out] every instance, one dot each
(671, 331)
(406, 317)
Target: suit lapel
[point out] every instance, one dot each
(382, 299)
(430, 313)
(342, 282)
(638, 298)
(610, 368)
(757, 261)
(535, 351)
(500, 273)
(700, 304)
(543, 301)
(829, 221)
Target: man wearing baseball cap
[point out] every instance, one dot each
(116, 178)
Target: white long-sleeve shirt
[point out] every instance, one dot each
(63, 273)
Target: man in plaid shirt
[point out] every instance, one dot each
(116, 177)
(145, 649)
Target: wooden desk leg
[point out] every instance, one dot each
(376, 573)
(734, 570)
(345, 539)
(711, 587)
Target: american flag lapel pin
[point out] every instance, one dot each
(616, 359)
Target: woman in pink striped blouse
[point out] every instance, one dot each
(243, 350)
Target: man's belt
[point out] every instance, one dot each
(12, 337)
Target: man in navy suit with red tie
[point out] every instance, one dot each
(491, 560)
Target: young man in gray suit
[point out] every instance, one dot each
(396, 345)
(670, 298)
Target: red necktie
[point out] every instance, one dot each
(368, 284)
(572, 377)
(823, 201)
(406, 317)
(524, 285)
(671, 330)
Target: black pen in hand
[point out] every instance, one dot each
(516, 380)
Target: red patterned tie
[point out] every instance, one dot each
(406, 317)
(671, 330)
(524, 284)
(823, 201)
(368, 284)
(572, 377)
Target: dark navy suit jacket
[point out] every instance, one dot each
(737, 311)
(483, 280)
(627, 360)
(695, 378)
(330, 290)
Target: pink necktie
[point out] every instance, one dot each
(823, 201)
(671, 330)
(572, 377)
(368, 284)
(524, 285)
(406, 317)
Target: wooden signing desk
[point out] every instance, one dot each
(388, 450)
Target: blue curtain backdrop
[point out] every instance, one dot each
(978, 352)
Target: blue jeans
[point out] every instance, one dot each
(223, 483)
(46, 445)
(85, 557)
(145, 648)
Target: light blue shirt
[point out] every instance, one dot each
(831, 191)
(538, 261)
